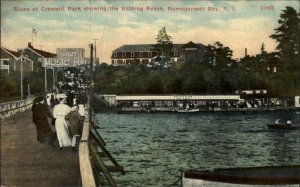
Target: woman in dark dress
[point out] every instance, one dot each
(40, 114)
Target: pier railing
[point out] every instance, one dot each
(86, 170)
(10, 108)
(92, 151)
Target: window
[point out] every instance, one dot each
(175, 53)
(132, 54)
(149, 54)
(124, 54)
(141, 54)
(115, 54)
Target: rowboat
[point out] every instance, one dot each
(251, 176)
(282, 126)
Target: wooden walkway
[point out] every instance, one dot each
(27, 162)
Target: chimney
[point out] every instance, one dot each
(29, 45)
(246, 52)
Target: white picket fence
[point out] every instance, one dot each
(10, 108)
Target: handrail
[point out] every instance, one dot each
(86, 171)
(10, 108)
(10, 102)
(14, 104)
(91, 163)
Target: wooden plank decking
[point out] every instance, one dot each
(27, 162)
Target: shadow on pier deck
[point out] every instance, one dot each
(26, 162)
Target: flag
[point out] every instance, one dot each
(34, 31)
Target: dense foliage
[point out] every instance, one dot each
(192, 78)
(11, 83)
(180, 78)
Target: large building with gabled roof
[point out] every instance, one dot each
(148, 53)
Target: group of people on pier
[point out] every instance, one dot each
(63, 110)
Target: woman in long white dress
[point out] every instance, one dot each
(61, 125)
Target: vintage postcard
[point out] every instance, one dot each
(150, 93)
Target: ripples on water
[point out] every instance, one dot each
(155, 148)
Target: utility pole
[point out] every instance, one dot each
(28, 90)
(91, 83)
(53, 79)
(95, 47)
(45, 79)
(22, 60)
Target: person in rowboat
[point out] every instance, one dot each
(289, 121)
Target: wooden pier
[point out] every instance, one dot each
(27, 162)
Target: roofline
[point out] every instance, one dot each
(116, 50)
(34, 51)
(176, 97)
(9, 53)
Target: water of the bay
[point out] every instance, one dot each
(155, 148)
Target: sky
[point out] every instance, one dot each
(68, 24)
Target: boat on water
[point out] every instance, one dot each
(188, 110)
(251, 176)
(283, 126)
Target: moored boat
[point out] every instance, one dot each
(188, 110)
(252, 176)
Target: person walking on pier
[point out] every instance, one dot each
(62, 129)
(74, 125)
(81, 109)
(53, 100)
(40, 114)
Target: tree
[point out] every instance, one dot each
(221, 55)
(288, 39)
(287, 36)
(262, 49)
(164, 43)
(8, 86)
(262, 55)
